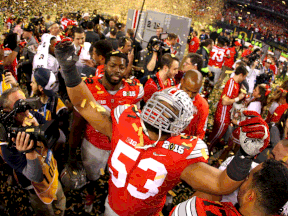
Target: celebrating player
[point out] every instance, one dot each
(146, 146)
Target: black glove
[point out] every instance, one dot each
(65, 54)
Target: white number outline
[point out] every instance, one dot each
(144, 164)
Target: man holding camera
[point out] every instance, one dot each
(164, 78)
(34, 164)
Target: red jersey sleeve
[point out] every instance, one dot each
(149, 89)
(280, 110)
(203, 118)
(228, 89)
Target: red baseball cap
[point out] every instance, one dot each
(251, 45)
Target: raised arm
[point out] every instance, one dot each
(254, 138)
(78, 92)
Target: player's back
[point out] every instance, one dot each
(217, 55)
(140, 179)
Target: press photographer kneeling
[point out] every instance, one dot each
(26, 141)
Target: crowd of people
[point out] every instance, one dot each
(260, 23)
(142, 121)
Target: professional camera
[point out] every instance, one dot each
(160, 42)
(253, 57)
(47, 133)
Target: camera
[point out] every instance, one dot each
(160, 42)
(47, 133)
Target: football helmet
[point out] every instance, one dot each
(72, 178)
(170, 110)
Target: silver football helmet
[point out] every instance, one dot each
(73, 178)
(170, 110)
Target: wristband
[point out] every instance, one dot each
(71, 76)
(17, 49)
(240, 166)
(236, 99)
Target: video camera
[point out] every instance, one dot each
(160, 42)
(47, 133)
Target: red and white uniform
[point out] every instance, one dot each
(130, 93)
(203, 207)
(151, 87)
(140, 179)
(222, 114)
(198, 124)
(279, 112)
(229, 62)
(194, 45)
(217, 56)
(274, 69)
(99, 71)
(13, 67)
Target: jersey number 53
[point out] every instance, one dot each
(142, 177)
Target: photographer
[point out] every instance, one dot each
(164, 78)
(52, 106)
(39, 166)
(153, 59)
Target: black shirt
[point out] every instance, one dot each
(92, 37)
(114, 43)
(120, 34)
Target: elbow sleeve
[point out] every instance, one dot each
(33, 171)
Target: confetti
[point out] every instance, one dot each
(22, 57)
(135, 127)
(229, 71)
(27, 123)
(102, 171)
(84, 78)
(159, 177)
(100, 108)
(83, 103)
(141, 140)
(97, 87)
(100, 92)
(140, 131)
(285, 159)
(244, 91)
(204, 154)
(92, 104)
(188, 145)
(171, 193)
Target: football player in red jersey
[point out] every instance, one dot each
(110, 91)
(264, 192)
(191, 84)
(230, 94)
(216, 60)
(146, 146)
(165, 76)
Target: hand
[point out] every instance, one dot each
(89, 63)
(131, 56)
(22, 142)
(9, 79)
(65, 53)
(241, 96)
(156, 48)
(254, 133)
(30, 122)
(234, 121)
